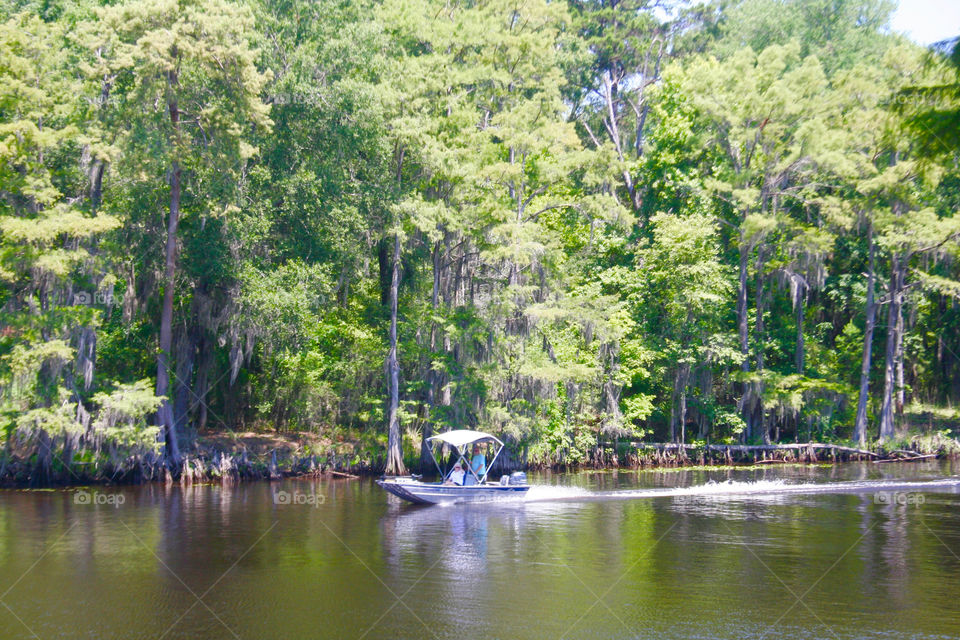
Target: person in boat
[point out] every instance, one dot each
(479, 465)
(456, 476)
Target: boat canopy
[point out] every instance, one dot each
(462, 437)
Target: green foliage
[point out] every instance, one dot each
(121, 418)
(603, 236)
(841, 33)
(932, 107)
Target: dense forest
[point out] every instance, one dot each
(569, 223)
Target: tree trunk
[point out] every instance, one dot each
(613, 130)
(205, 356)
(758, 320)
(899, 397)
(645, 109)
(860, 425)
(742, 321)
(743, 328)
(186, 348)
(383, 262)
(611, 391)
(673, 406)
(678, 406)
(165, 412)
(96, 185)
(641, 122)
(426, 455)
(801, 347)
(887, 426)
(759, 331)
(99, 165)
(683, 402)
(394, 452)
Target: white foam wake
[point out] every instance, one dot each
(733, 489)
(544, 492)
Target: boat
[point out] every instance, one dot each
(475, 488)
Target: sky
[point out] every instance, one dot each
(928, 21)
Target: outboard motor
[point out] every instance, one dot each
(518, 478)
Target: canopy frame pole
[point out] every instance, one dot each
(433, 454)
(470, 466)
(490, 466)
(486, 470)
(460, 459)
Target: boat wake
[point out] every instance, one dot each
(547, 493)
(734, 489)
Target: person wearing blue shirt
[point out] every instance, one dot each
(479, 462)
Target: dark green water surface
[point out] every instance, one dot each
(854, 551)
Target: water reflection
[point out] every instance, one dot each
(679, 566)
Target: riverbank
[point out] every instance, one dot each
(912, 447)
(270, 456)
(212, 457)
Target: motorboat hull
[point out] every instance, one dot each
(435, 493)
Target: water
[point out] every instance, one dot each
(855, 551)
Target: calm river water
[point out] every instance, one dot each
(855, 551)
